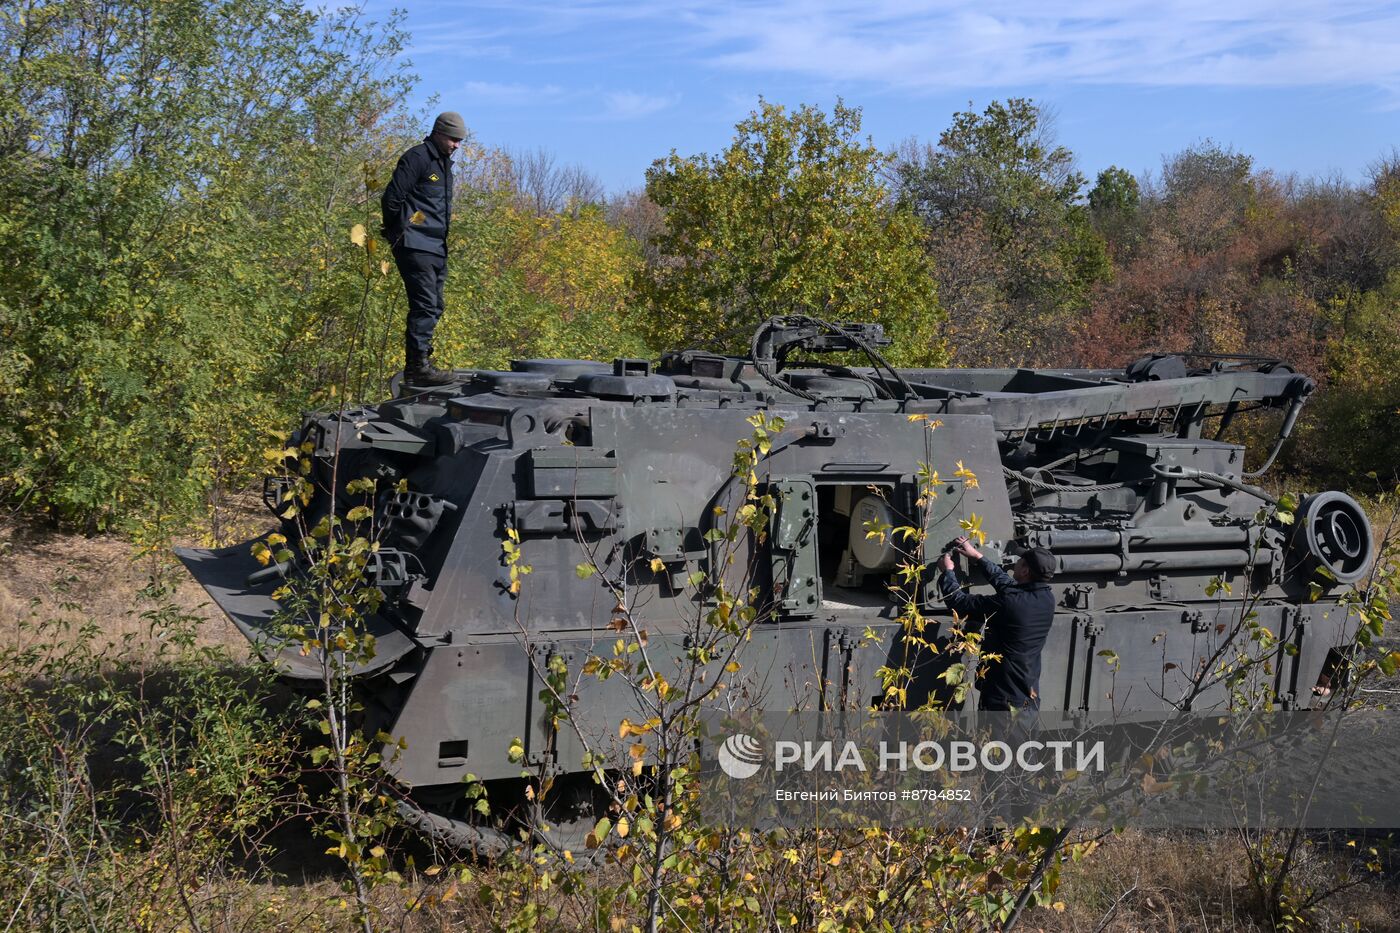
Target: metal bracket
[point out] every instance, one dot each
(822, 430)
(388, 568)
(666, 544)
(1079, 596)
(1160, 588)
(1197, 621)
(557, 516)
(274, 493)
(543, 759)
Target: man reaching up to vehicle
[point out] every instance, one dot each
(1015, 623)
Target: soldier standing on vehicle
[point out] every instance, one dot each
(417, 211)
(1016, 622)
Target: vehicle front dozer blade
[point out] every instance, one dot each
(224, 573)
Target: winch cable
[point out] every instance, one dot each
(877, 360)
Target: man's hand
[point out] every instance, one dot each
(946, 561)
(963, 544)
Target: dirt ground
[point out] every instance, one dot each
(59, 576)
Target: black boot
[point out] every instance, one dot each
(419, 371)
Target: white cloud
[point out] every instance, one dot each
(633, 105)
(496, 93)
(461, 39)
(941, 45)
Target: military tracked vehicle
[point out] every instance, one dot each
(1122, 474)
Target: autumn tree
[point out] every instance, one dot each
(528, 284)
(1207, 191)
(793, 217)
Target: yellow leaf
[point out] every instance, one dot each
(357, 234)
(657, 565)
(969, 477)
(835, 859)
(623, 827)
(417, 218)
(1150, 784)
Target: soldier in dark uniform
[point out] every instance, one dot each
(1016, 622)
(417, 210)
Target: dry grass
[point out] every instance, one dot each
(1199, 881)
(1133, 882)
(52, 575)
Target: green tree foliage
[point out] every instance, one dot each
(1008, 230)
(1113, 207)
(187, 262)
(1355, 425)
(179, 181)
(793, 216)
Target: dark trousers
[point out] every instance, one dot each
(424, 275)
(1001, 703)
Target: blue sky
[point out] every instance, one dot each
(1303, 87)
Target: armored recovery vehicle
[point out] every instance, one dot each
(1122, 474)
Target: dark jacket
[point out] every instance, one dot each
(422, 182)
(1016, 623)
